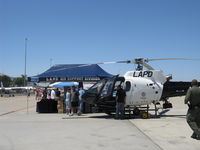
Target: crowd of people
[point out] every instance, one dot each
(74, 101)
(47, 93)
(73, 98)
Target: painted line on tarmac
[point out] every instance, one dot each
(146, 135)
(13, 111)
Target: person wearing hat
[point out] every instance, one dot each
(192, 98)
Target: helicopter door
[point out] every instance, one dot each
(110, 88)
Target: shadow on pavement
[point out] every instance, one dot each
(174, 116)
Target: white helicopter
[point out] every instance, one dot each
(143, 87)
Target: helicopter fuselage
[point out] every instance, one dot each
(142, 88)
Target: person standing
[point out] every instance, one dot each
(44, 94)
(75, 101)
(37, 92)
(120, 101)
(68, 101)
(53, 94)
(48, 94)
(81, 92)
(57, 93)
(192, 98)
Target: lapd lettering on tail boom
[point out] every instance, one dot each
(143, 74)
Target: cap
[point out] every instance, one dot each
(194, 82)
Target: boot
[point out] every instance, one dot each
(197, 137)
(194, 136)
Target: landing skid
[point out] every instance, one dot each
(144, 111)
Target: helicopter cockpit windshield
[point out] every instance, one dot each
(96, 88)
(92, 93)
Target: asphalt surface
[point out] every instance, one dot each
(24, 129)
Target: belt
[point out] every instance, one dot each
(193, 107)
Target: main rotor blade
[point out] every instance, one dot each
(148, 66)
(85, 65)
(113, 62)
(147, 60)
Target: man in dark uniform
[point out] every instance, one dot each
(120, 101)
(193, 115)
(58, 93)
(75, 101)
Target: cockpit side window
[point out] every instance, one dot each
(117, 83)
(107, 90)
(128, 86)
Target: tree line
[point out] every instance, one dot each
(8, 81)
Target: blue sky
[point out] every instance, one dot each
(91, 31)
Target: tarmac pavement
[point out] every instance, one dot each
(20, 130)
(170, 131)
(17, 103)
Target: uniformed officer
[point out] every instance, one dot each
(193, 115)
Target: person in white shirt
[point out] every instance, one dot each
(53, 94)
(68, 101)
(81, 92)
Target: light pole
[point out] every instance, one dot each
(26, 40)
(51, 62)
